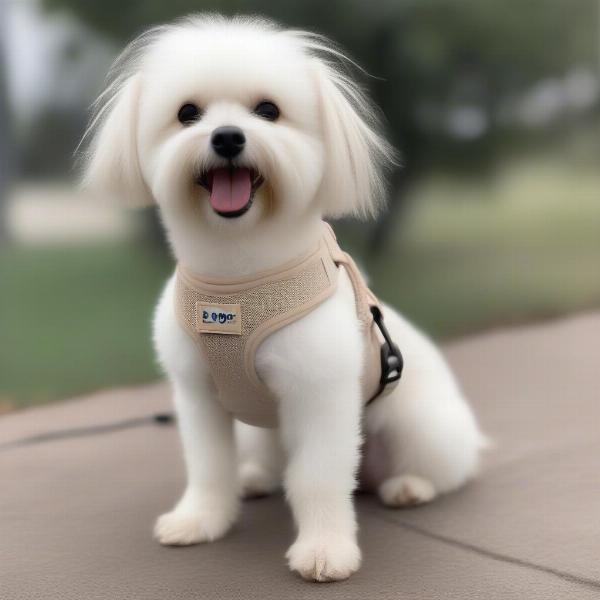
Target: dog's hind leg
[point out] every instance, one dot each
(422, 439)
(260, 460)
(382, 473)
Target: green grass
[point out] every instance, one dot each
(469, 255)
(76, 319)
(523, 245)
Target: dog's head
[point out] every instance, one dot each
(228, 123)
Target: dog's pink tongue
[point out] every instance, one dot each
(231, 189)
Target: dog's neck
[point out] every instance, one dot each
(215, 255)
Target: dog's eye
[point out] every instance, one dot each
(267, 110)
(188, 114)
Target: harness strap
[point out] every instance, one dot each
(369, 312)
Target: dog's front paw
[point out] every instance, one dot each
(326, 558)
(183, 528)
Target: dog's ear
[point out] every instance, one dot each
(111, 164)
(356, 154)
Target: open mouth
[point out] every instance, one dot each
(231, 189)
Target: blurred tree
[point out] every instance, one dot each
(6, 162)
(56, 128)
(447, 72)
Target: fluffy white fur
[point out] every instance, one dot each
(323, 157)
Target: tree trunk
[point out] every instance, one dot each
(384, 227)
(6, 153)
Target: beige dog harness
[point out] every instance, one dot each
(229, 319)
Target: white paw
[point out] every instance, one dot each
(326, 558)
(256, 481)
(183, 528)
(406, 490)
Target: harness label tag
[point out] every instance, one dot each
(219, 318)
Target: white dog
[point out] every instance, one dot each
(297, 140)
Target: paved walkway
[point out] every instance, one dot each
(50, 213)
(82, 481)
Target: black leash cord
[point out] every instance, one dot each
(160, 419)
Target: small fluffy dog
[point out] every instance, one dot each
(248, 135)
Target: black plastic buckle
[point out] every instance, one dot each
(392, 362)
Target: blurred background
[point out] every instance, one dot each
(493, 219)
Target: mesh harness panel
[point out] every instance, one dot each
(262, 305)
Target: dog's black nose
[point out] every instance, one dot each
(228, 141)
